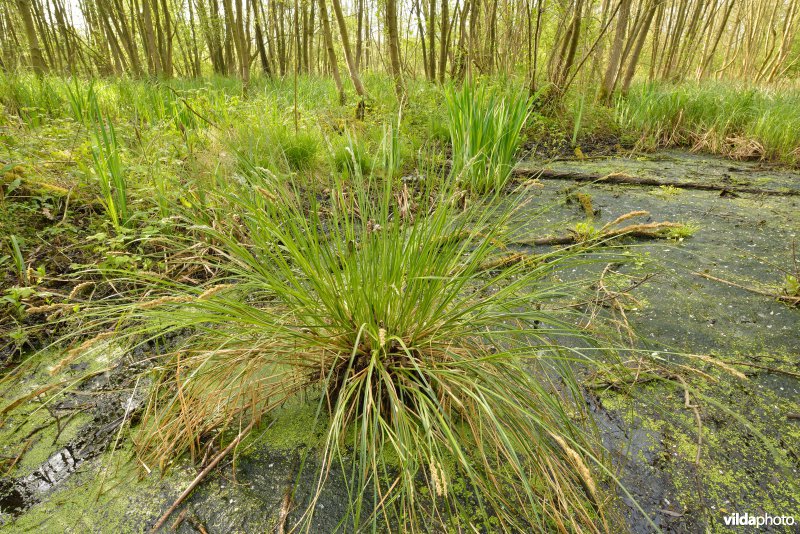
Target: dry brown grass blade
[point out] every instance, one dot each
(32, 395)
(77, 351)
(623, 218)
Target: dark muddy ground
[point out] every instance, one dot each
(748, 458)
(749, 453)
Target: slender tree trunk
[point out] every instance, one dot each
(359, 32)
(37, 60)
(432, 40)
(260, 46)
(637, 50)
(328, 38)
(710, 56)
(348, 55)
(149, 39)
(394, 47)
(444, 40)
(610, 78)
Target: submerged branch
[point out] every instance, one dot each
(625, 179)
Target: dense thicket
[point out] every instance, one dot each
(551, 42)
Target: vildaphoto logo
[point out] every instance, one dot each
(763, 520)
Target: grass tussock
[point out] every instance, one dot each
(444, 394)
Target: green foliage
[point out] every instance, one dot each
(299, 150)
(585, 231)
(391, 149)
(108, 167)
(721, 118)
(353, 159)
(681, 232)
(20, 267)
(435, 377)
(791, 286)
(485, 132)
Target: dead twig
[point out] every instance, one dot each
(197, 524)
(696, 409)
(787, 299)
(180, 519)
(199, 478)
(283, 515)
(765, 368)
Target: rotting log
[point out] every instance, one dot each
(626, 179)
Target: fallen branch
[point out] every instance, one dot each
(625, 179)
(765, 368)
(654, 230)
(791, 300)
(641, 231)
(199, 478)
(503, 262)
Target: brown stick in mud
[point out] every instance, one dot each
(625, 179)
(791, 300)
(199, 478)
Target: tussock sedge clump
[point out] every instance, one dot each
(443, 377)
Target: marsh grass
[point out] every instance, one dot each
(721, 118)
(108, 166)
(485, 134)
(444, 388)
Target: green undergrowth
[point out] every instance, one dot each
(721, 118)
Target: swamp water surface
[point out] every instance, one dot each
(750, 442)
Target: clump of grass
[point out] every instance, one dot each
(391, 149)
(299, 150)
(353, 159)
(20, 267)
(444, 389)
(681, 231)
(791, 285)
(667, 191)
(108, 166)
(485, 132)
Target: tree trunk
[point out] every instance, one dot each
(637, 50)
(610, 78)
(394, 47)
(328, 38)
(348, 55)
(37, 60)
(444, 39)
(359, 32)
(432, 40)
(260, 46)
